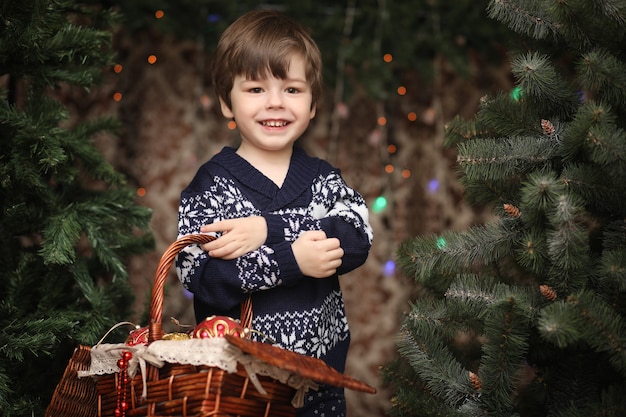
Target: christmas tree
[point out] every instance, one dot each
(68, 218)
(525, 315)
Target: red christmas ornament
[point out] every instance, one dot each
(139, 336)
(218, 326)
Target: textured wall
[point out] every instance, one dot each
(171, 125)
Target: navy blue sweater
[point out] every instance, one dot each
(302, 314)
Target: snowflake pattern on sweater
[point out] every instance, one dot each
(299, 313)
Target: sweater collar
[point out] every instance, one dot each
(302, 172)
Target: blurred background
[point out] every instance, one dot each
(395, 73)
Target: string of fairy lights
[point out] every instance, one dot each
(378, 137)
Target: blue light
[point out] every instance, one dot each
(389, 269)
(433, 185)
(187, 294)
(213, 18)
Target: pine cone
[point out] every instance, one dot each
(512, 211)
(548, 127)
(475, 381)
(547, 292)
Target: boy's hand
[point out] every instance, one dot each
(239, 236)
(317, 255)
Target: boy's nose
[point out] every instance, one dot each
(274, 100)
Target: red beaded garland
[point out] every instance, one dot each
(122, 382)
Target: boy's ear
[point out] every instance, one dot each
(226, 111)
(313, 111)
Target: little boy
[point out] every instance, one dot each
(287, 223)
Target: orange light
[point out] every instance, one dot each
(117, 68)
(117, 96)
(412, 116)
(141, 191)
(401, 90)
(387, 57)
(388, 168)
(159, 14)
(406, 173)
(152, 59)
(382, 120)
(232, 125)
(392, 148)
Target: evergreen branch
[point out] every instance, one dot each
(60, 237)
(567, 243)
(614, 10)
(602, 72)
(435, 364)
(500, 159)
(6, 391)
(532, 251)
(452, 253)
(574, 23)
(33, 336)
(612, 274)
(459, 130)
(531, 21)
(502, 116)
(414, 401)
(507, 329)
(589, 183)
(539, 195)
(585, 317)
(574, 138)
(476, 294)
(559, 323)
(602, 329)
(546, 91)
(608, 149)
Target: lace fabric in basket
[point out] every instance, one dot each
(214, 352)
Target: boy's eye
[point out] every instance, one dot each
(256, 90)
(292, 90)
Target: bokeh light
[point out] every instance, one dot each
(379, 204)
(433, 185)
(516, 93)
(389, 268)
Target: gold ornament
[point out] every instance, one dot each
(176, 336)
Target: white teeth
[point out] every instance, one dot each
(274, 123)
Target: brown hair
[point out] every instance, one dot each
(259, 44)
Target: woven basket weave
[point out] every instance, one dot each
(180, 390)
(73, 396)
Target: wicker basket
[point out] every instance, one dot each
(73, 396)
(178, 389)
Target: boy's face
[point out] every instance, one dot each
(271, 114)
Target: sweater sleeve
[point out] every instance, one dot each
(342, 213)
(226, 283)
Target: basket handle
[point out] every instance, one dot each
(155, 329)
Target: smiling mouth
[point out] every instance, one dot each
(274, 123)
